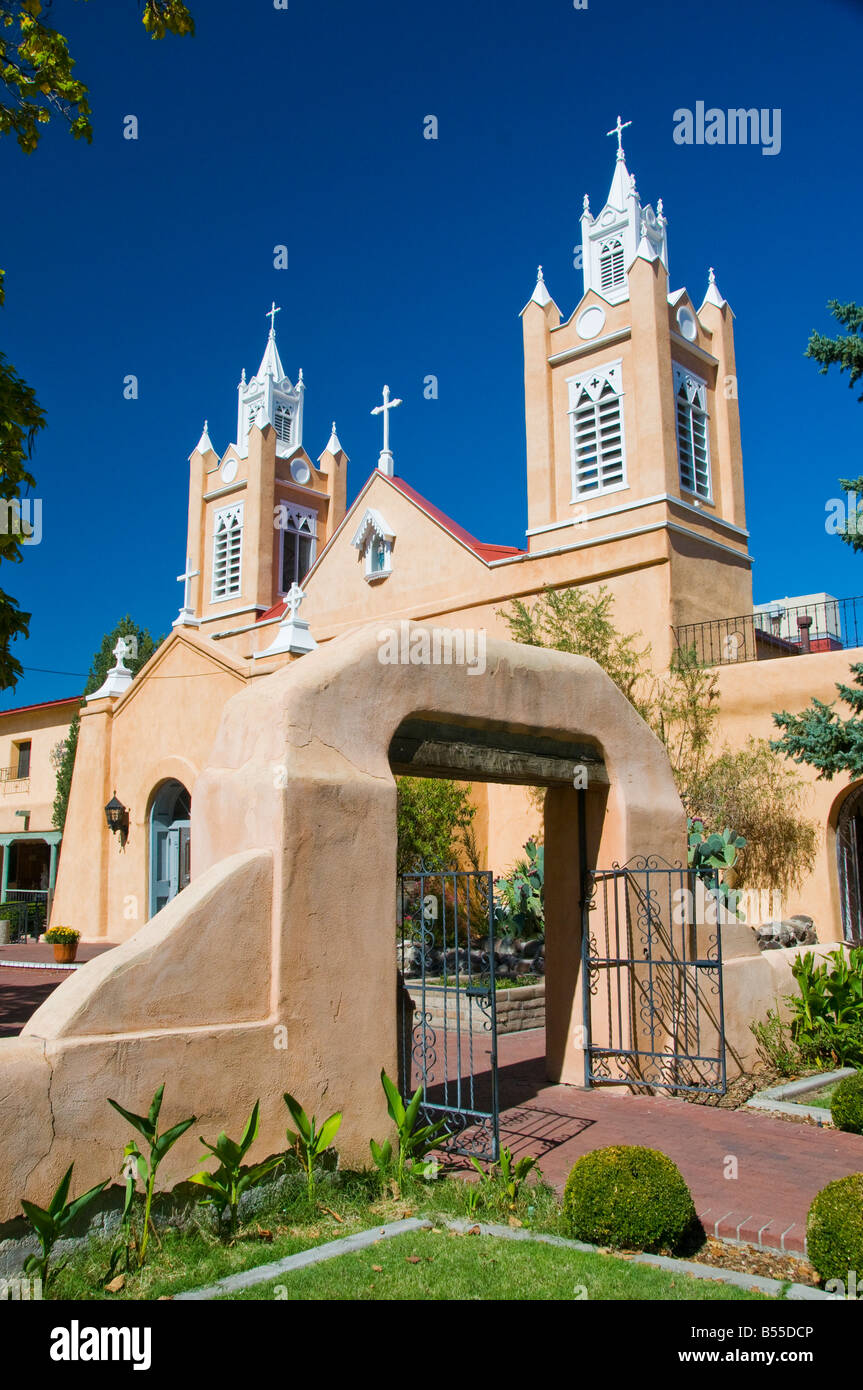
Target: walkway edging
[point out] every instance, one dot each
(261, 1274)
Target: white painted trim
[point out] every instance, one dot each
(235, 613)
(707, 357)
(223, 491)
(619, 336)
(574, 384)
(621, 536)
(643, 502)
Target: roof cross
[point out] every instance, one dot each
(385, 462)
(618, 131)
(272, 311)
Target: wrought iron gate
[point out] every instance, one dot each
(652, 979)
(447, 1022)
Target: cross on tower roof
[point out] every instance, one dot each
(272, 311)
(618, 131)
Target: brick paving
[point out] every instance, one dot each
(780, 1166)
(23, 989)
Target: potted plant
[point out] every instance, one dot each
(65, 942)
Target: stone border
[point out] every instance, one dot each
(778, 1098)
(235, 1283)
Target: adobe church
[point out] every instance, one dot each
(634, 480)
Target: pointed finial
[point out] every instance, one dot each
(300, 381)
(711, 277)
(586, 203)
(659, 207)
(206, 427)
(539, 275)
(243, 377)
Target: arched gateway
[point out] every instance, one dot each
(274, 969)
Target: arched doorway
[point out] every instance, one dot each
(170, 845)
(849, 860)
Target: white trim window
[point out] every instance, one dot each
(373, 539)
(596, 432)
(693, 436)
(299, 527)
(228, 552)
(284, 424)
(611, 271)
(253, 410)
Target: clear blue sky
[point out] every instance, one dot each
(406, 257)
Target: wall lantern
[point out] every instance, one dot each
(117, 816)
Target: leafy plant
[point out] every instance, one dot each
(433, 817)
(775, 1046)
(708, 853)
(414, 1143)
(519, 908)
(629, 1197)
(827, 1014)
(846, 1109)
(158, 1145)
(52, 1223)
(503, 1180)
(834, 1228)
(231, 1179)
(62, 936)
(309, 1141)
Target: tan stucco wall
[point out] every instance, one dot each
(45, 728)
(298, 785)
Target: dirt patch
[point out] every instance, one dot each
(747, 1260)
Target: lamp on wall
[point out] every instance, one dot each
(117, 816)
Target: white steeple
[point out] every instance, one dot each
(270, 399)
(622, 231)
(713, 296)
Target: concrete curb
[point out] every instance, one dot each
(235, 1283)
(779, 1099)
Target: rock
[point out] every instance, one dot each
(787, 934)
(539, 965)
(770, 943)
(529, 949)
(504, 946)
(802, 919)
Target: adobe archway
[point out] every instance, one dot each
(285, 934)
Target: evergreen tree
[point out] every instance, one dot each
(822, 738)
(845, 350)
(63, 755)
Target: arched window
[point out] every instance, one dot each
(284, 424)
(170, 843)
(849, 862)
(611, 273)
(693, 444)
(298, 545)
(228, 552)
(596, 441)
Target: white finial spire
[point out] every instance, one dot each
(334, 446)
(713, 296)
(618, 131)
(204, 445)
(540, 295)
(385, 461)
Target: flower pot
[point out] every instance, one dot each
(65, 951)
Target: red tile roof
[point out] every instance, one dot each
(45, 704)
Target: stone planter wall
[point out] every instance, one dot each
(517, 1009)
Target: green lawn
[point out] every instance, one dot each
(823, 1099)
(437, 1264)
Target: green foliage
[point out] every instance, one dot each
(846, 1109)
(775, 1046)
(63, 755)
(834, 1229)
(821, 737)
(628, 1197)
(846, 350)
(62, 936)
(501, 1184)
(414, 1141)
(708, 854)
(827, 1014)
(53, 1222)
(231, 1179)
(752, 789)
(158, 1145)
(433, 818)
(309, 1141)
(21, 417)
(20, 915)
(577, 621)
(519, 908)
(36, 68)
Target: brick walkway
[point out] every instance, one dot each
(780, 1166)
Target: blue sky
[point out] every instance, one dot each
(407, 257)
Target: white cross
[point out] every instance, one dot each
(385, 409)
(186, 580)
(293, 599)
(120, 651)
(272, 311)
(618, 131)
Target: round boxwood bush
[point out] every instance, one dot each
(834, 1231)
(846, 1108)
(628, 1197)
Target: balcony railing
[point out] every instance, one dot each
(12, 781)
(827, 625)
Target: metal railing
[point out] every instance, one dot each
(829, 624)
(13, 781)
(29, 912)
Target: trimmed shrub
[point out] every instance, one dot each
(846, 1109)
(834, 1230)
(628, 1197)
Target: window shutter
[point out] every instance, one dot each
(228, 552)
(597, 433)
(693, 445)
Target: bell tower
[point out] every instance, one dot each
(270, 399)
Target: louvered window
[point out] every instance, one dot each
(228, 552)
(284, 424)
(693, 443)
(251, 416)
(298, 545)
(611, 272)
(596, 412)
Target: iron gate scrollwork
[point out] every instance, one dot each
(652, 978)
(447, 1019)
